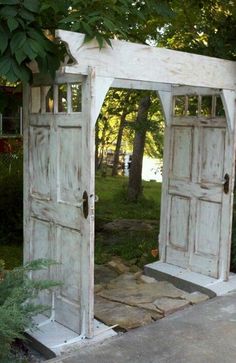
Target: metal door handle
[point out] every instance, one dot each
(85, 204)
(226, 183)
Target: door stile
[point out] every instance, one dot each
(94, 92)
(195, 178)
(165, 97)
(26, 100)
(227, 199)
(87, 250)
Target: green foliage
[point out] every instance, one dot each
(11, 194)
(104, 19)
(27, 28)
(17, 303)
(129, 245)
(113, 202)
(12, 254)
(119, 103)
(22, 40)
(204, 27)
(9, 103)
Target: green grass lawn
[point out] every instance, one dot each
(12, 255)
(112, 204)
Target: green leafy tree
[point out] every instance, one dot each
(22, 40)
(27, 28)
(141, 125)
(203, 27)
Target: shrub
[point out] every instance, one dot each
(11, 206)
(17, 303)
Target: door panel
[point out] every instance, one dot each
(182, 140)
(69, 173)
(194, 229)
(179, 222)
(212, 154)
(68, 253)
(208, 236)
(41, 232)
(60, 164)
(40, 161)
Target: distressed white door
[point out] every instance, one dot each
(59, 199)
(195, 230)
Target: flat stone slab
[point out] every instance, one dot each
(130, 225)
(169, 306)
(151, 300)
(132, 301)
(127, 317)
(196, 297)
(136, 292)
(103, 274)
(118, 266)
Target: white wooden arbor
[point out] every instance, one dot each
(199, 158)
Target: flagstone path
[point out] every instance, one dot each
(130, 300)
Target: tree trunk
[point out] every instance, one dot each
(135, 176)
(118, 144)
(120, 134)
(102, 144)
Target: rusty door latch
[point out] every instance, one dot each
(226, 183)
(85, 204)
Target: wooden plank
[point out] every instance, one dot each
(99, 87)
(141, 85)
(165, 203)
(74, 119)
(228, 99)
(87, 268)
(26, 103)
(196, 121)
(194, 91)
(189, 189)
(166, 102)
(60, 77)
(93, 94)
(227, 207)
(145, 63)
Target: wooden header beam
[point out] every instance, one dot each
(130, 61)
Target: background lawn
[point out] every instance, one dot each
(130, 245)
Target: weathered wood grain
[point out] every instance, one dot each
(59, 169)
(130, 61)
(196, 216)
